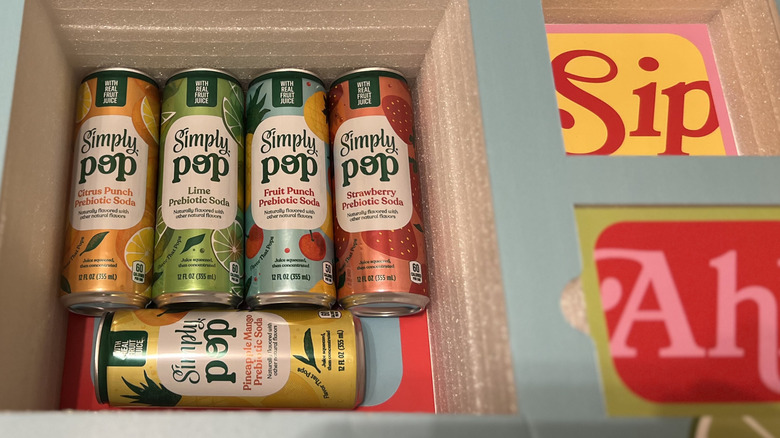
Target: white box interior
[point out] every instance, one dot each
(428, 40)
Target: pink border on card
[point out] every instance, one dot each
(698, 35)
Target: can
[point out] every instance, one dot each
(381, 269)
(233, 358)
(107, 261)
(289, 245)
(199, 237)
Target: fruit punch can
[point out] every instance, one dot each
(199, 245)
(109, 236)
(289, 247)
(280, 359)
(381, 265)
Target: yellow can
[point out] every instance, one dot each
(252, 359)
(109, 236)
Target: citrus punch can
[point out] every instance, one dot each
(109, 233)
(289, 245)
(380, 246)
(199, 245)
(253, 359)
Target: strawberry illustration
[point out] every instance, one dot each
(414, 174)
(342, 240)
(399, 114)
(336, 118)
(399, 243)
(334, 96)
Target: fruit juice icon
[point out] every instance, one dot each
(199, 245)
(380, 246)
(107, 261)
(289, 246)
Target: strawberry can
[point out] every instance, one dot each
(109, 235)
(289, 241)
(229, 358)
(381, 267)
(199, 232)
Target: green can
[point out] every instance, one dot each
(199, 247)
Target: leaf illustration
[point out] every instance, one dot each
(413, 162)
(151, 394)
(419, 227)
(263, 112)
(94, 242)
(309, 349)
(156, 276)
(64, 285)
(192, 241)
(342, 280)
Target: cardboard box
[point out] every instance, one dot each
(430, 42)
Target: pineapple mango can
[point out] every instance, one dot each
(199, 245)
(252, 359)
(289, 241)
(380, 245)
(109, 235)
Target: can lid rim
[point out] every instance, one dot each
(138, 74)
(268, 73)
(214, 71)
(381, 71)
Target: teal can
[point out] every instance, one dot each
(289, 213)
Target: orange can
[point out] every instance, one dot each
(109, 237)
(380, 245)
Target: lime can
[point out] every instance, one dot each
(109, 234)
(230, 358)
(380, 241)
(199, 248)
(289, 242)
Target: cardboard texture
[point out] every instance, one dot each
(429, 41)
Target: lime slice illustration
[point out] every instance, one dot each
(228, 244)
(743, 426)
(232, 113)
(163, 234)
(166, 117)
(150, 119)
